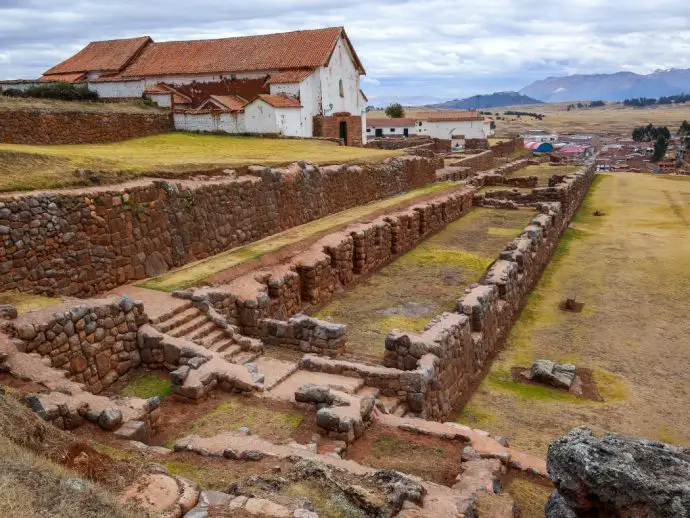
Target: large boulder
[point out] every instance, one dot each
(559, 375)
(617, 476)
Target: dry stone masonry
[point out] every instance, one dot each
(84, 242)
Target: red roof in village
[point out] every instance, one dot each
(390, 123)
(69, 78)
(280, 101)
(231, 102)
(449, 116)
(156, 89)
(288, 50)
(112, 55)
(290, 76)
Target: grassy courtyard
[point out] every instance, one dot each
(629, 268)
(25, 167)
(425, 281)
(545, 171)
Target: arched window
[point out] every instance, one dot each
(341, 89)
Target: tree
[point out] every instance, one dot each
(660, 148)
(395, 111)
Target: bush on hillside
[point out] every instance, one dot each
(60, 90)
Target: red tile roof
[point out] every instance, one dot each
(289, 50)
(231, 102)
(69, 78)
(112, 55)
(279, 101)
(449, 116)
(156, 89)
(290, 76)
(390, 123)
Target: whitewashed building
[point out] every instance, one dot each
(455, 126)
(300, 83)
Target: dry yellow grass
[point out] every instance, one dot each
(612, 119)
(545, 171)
(26, 301)
(630, 269)
(425, 281)
(18, 103)
(24, 167)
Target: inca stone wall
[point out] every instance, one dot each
(508, 147)
(477, 162)
(79, 127)
(94, 342)
(84, 242)
(456, 348)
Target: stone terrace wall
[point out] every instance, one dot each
(84, 242)
(463, 343)
(508, 147)
(94, 342)
(79, 127)
(312, 277)
(477, 162)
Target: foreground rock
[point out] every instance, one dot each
(617, 476)
(559, 375)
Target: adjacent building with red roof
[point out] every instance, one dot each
(301, 83)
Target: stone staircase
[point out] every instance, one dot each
(188, 322)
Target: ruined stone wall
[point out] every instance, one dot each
(94, 342)
(476, 143)
(477, 162)
(508, 147)
(461, 344)
(82, 242)
(79, 127)
(312, 277)
(305, 334)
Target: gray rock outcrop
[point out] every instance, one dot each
(559, 375)
(617, 476)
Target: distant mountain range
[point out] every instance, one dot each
(610, 87)
(479, 102)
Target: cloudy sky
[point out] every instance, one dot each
(415, 50)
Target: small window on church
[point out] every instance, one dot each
(342, 90)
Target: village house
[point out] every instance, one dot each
(456, 126)
(299, 84)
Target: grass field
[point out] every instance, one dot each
(629, 268)
(425, 281)
(196, 272)
(24, 167)
(19, 103)
(612, 119)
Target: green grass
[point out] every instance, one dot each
(475, 416)
(501, 381)
(148, 386)
(25, 167)
(230, 416)
(194, 273)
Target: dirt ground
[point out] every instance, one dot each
(432, 459)
(545, 171)
(424, 282)
(629, 268)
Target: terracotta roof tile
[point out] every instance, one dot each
(69, 78)
(290, 76)
(156, 89)
(390, 123)
(289, 50)
(101, 55)
(279, 101)
(449, 116)
(231, 102)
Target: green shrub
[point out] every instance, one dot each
(63, 91)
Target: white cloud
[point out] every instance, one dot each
(434, 49)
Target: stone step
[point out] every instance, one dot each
(203, 331)
(189, 326)
(225, 346)
(400, 410)
(213, 337)
(178, 319)
(171, 314)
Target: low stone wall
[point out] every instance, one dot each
(476, 143)
(312, 277)
(461, 344)
(398, 142)
(37, 126)
(95, 342)
(477, 162)
(508, 147)
(306, 334)
(83, 242)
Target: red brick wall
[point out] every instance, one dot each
(79, 127)
(330, 127)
